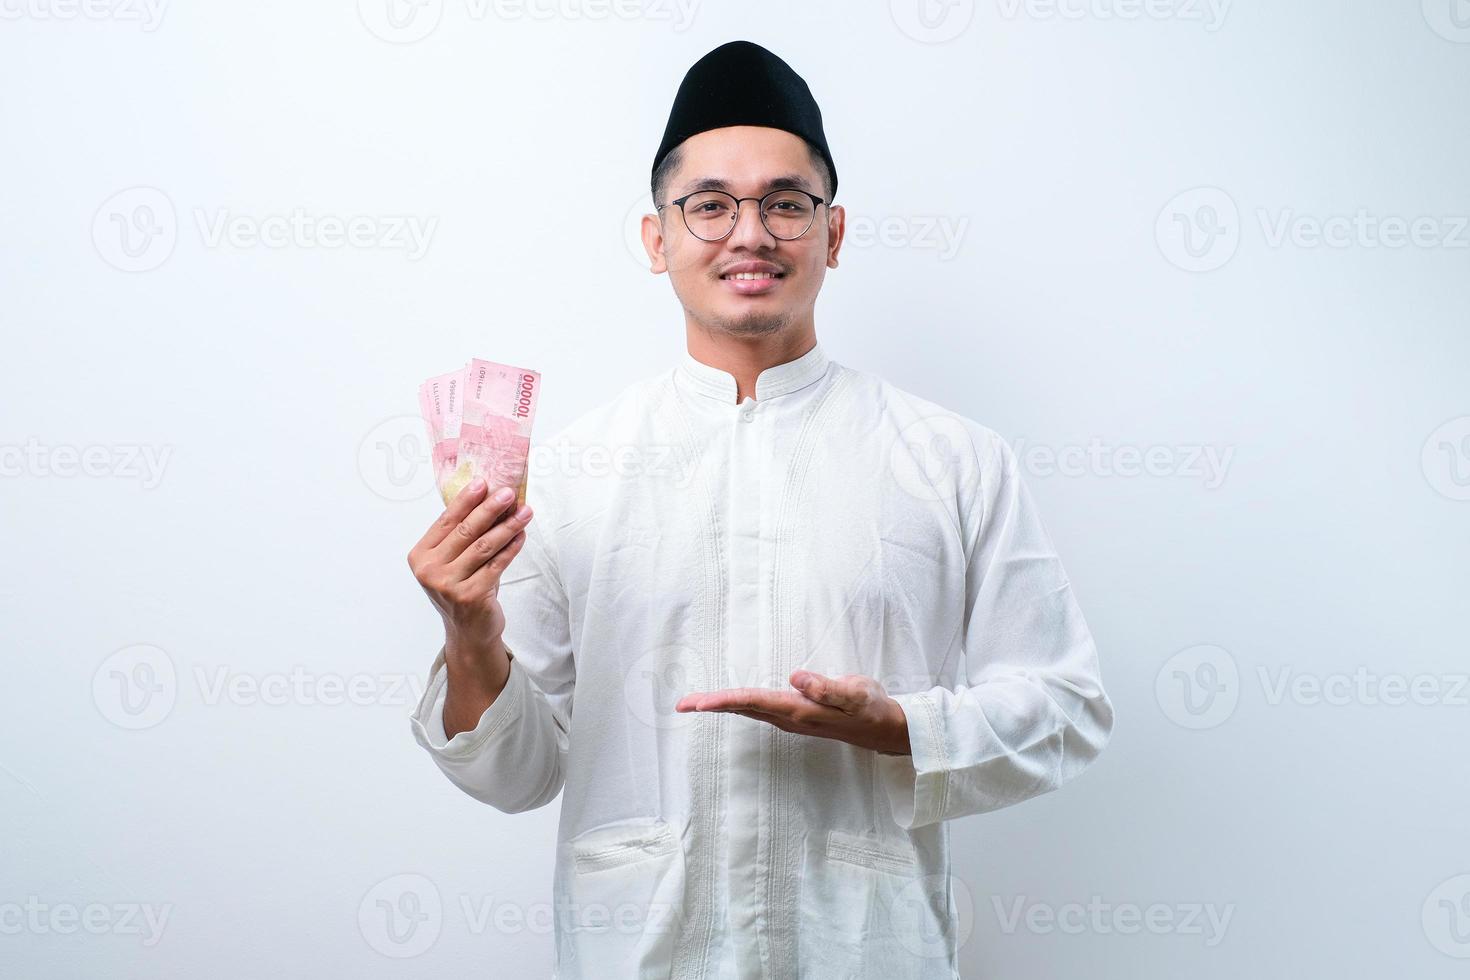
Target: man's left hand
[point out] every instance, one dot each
(852, 708)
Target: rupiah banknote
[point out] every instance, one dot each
(479, 421)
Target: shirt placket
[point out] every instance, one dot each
(747, 664)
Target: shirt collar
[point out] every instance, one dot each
(774, 381)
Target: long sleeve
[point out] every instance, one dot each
(514, 758)
(1029, 711)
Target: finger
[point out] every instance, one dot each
(838, 692)
(486, 579)
(754, 699)
(488, 545)
(469, 528)
(459, 508)
(713, 699)
(688, 701)
(730, 698)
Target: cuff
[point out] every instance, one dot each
(916, 784)
(427, 719)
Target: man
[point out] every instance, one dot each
(806, 618)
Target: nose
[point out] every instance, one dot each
(750, 232)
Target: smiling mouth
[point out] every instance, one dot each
(737, 276)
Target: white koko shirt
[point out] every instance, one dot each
(683, 542)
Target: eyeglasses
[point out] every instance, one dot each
(710, 216)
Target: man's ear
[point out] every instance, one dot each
(653, 243)
(836, 228)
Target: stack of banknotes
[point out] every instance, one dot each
(479, 420)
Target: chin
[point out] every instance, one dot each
(749, 322)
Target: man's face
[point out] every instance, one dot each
(745, 161)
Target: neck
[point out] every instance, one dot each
(747, 357)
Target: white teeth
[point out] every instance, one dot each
(752, 275)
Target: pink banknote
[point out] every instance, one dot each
(479, 422)
(439, 403)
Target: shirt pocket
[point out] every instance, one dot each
(853, 908)
(624, 897)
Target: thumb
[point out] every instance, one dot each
(820, 688)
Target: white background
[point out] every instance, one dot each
(1085, 310)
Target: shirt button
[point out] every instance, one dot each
(747, 411)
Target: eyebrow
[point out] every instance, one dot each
(717, 184)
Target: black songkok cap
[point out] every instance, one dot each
(743, 84)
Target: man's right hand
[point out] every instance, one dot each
(459, 562)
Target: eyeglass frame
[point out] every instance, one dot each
(759, 210)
